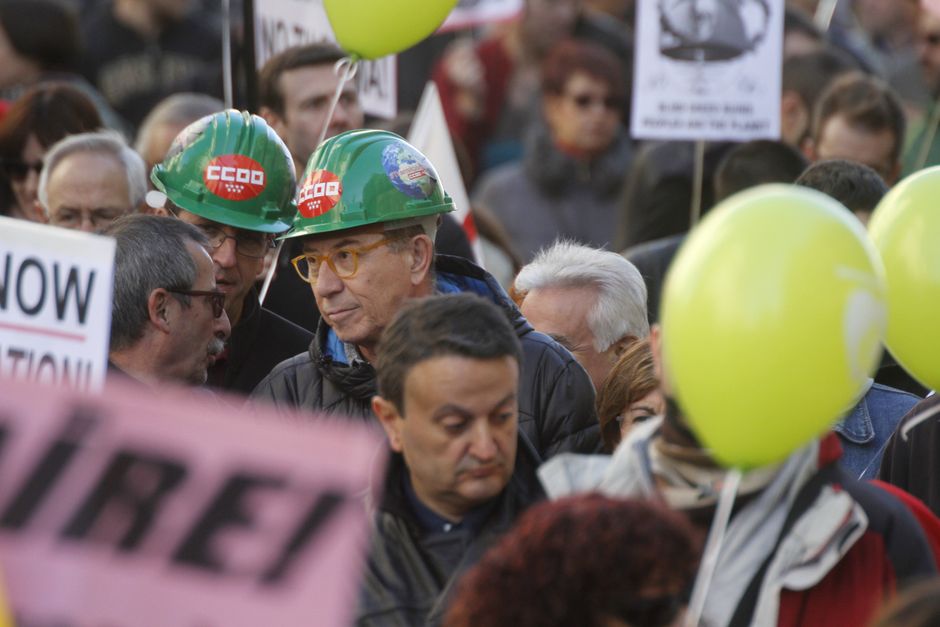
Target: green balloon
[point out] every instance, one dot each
(369, 29)
(905, 228)
(772, 320)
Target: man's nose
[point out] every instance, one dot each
(222, 327)
(224, 255)
(327, 281)
(86, 224)
(483, 444)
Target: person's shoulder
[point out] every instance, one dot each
(290, 374)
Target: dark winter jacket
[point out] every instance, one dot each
(260, 341)
(411, 572)
(556, 399)
(912, 457)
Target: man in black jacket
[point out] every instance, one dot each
(231, 176)
(368, 211)
(461, 471)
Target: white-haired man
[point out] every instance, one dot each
(89, 180)
(591, 301)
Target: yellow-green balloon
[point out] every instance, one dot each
(370, 29)
(772, 319)
(906, 231)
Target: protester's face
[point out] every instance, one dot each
(640, 410)
(840, 140)
(563, 314)
(458, 431)
(235, 273)
(87, 192)
(25, 187)
(307, 93)
(584, 117)
(197, 335)
(928, 48)
(360, 307)
(546, 22)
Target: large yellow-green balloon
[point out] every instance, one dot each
(772, 319)
(906, 231)
(370, 29)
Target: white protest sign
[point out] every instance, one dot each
(429, 134)
(470, 13)
(707, 70)
(135, 510)
(281, 24)
(55, 304)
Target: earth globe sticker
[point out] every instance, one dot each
(409, 171)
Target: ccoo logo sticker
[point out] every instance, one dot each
(234, 177)
(319, 193)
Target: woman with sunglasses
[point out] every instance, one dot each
(576, 160)
(42, 116)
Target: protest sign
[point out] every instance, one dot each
(124, 510)
(55, 304)
(707, 70)
(469, 13)
(281, 24)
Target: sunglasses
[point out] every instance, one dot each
(19, 170)
(216, 299)
(586, 101)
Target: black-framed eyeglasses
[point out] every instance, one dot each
(19, 170)
(216, 298)
(344, 262)
(247, 243)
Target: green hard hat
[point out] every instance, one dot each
(231, 167)
(364, 177)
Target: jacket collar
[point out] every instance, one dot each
(856, 426)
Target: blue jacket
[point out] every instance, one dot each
(865, 430)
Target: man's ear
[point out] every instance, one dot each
(390, 420)
(794, 118)
(157, 309)
(273, 119)
(420, 255)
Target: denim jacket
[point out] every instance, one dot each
(865, 430)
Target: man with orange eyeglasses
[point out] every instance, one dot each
(368, 211)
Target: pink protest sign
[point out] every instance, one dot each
(128, 509)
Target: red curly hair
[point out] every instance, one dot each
(581, 561)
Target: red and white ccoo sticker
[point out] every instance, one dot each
(234, 177)
(319, 193)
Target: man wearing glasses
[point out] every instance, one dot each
(232, 177)
(368, 212)
(89, 180)
(168, 323)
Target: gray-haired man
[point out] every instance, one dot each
(89, 180)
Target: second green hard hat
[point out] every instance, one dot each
(231, 167)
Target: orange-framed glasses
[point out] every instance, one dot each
(344, 262)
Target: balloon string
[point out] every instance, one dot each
(269, 276)
(348, 67)
(716, 536)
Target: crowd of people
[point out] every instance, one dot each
(542, 471)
